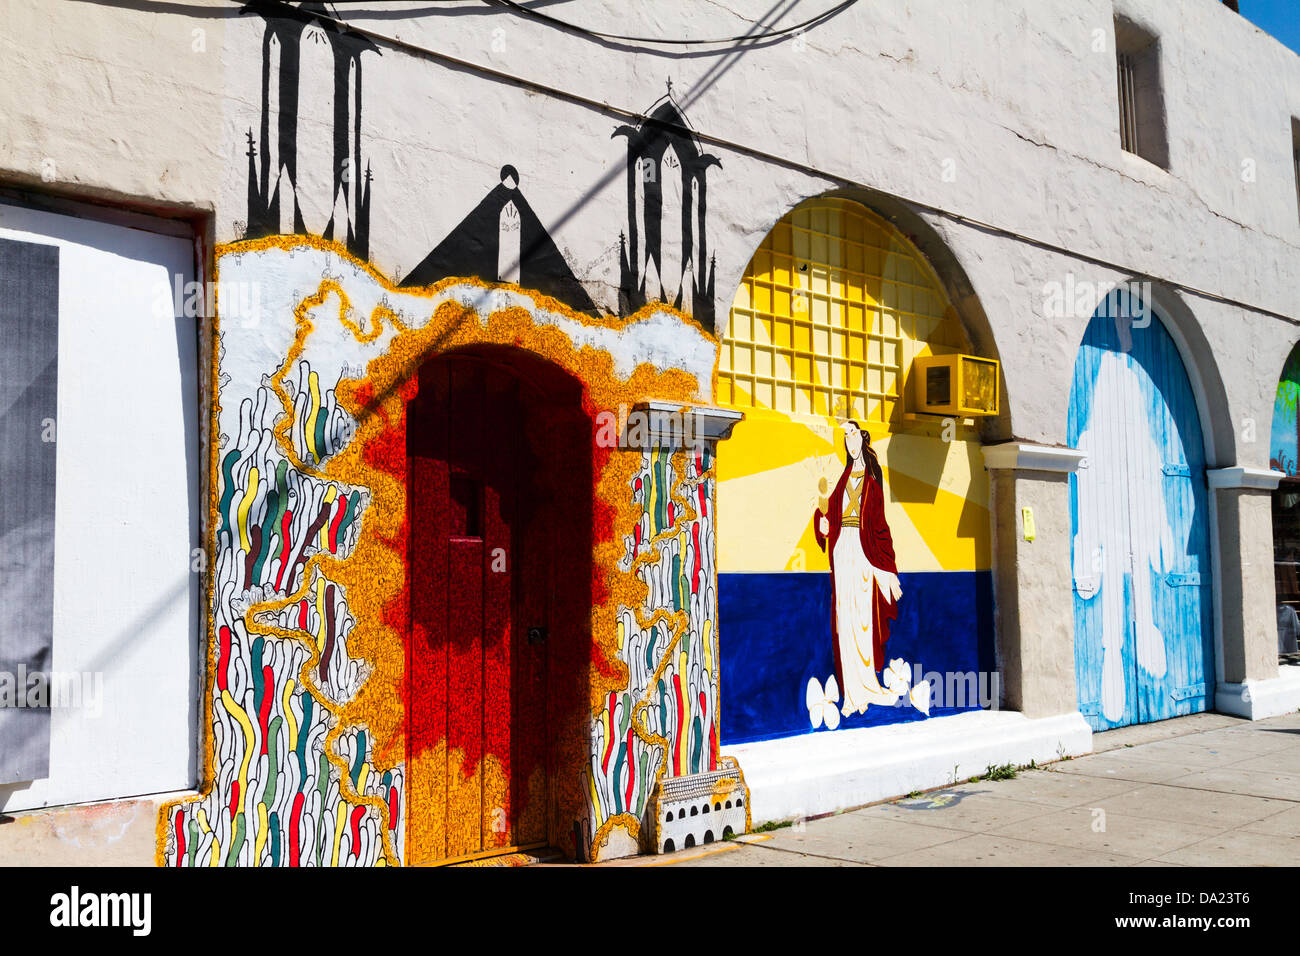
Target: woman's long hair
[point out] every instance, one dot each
(868, 455)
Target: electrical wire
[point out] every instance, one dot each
(787, 162)
(520, 10)
(743, 38)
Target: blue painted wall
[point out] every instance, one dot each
(775, 633)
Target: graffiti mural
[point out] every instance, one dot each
(666, 723)
(1284, 454)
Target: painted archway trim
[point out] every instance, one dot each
(1199, 362)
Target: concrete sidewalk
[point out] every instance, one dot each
(1202, 790)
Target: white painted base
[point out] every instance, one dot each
(822, 772)
(1260, 699)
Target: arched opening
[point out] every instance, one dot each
(1284, 456)
(499, 455)
(1140, 523)
(832, 314)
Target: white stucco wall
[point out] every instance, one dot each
(998, 112)
(995, 120)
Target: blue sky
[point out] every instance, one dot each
(1281, 18)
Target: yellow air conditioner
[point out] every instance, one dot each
(956, 385)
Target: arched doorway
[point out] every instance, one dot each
(499, 508)
(1139, 512)
(832, 313)
(1284, 456)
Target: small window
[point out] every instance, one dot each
(1295, 156)
(1141, 103)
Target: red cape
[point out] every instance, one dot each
(878, 545)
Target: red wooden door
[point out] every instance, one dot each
(477, 704)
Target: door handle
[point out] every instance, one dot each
(537, 634)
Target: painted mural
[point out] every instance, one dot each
(1139, 518)
(502, 240)
(1284, 456)
(865, 599)
(304, 162)
(851, 528)
(322, 745)
(664, 253)
(1284, 446)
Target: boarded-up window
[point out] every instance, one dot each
(29, 390)
(99, 579)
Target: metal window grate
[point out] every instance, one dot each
(1128, 122)
(833, 306)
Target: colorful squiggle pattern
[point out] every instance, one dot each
(278, 799)
(305, 763)
(666, 722)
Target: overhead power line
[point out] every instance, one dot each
(743, 38)
(527, 12)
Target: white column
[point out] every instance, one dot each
(1032, 575)
(1250, 682)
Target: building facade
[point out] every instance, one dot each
(513, 433)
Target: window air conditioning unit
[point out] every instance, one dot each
(955, 385)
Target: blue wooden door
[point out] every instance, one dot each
(1139, 518)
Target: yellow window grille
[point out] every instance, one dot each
(833, 307)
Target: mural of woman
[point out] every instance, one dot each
(851, 525)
